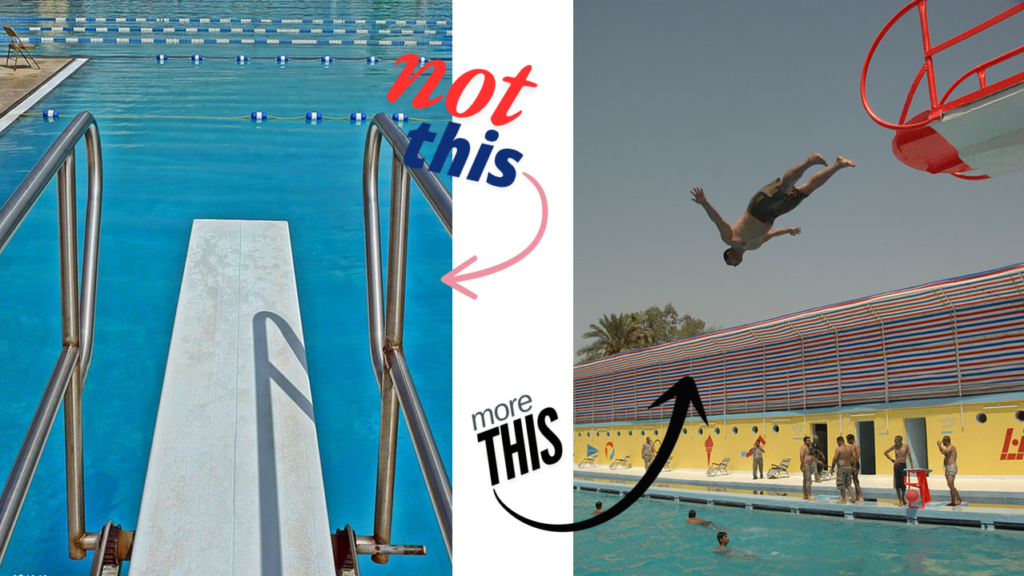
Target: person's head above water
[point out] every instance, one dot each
(723, 538)
(733, 257)
(693, 513)
(598, 505)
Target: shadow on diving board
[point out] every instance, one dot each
(234, 484)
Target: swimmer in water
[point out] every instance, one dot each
(723, 548)
(699, 521)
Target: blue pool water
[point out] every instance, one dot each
(174, 151)
(652, 538)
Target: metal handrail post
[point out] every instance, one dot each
(73, 459)
(393, 317)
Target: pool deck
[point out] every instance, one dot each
(981, 495)
(22, 87)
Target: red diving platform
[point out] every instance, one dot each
(981, 132)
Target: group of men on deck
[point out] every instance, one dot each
(846, 466)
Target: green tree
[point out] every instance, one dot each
(665, 325)
(634, 330)
(613, 335)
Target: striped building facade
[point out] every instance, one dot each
(947, 357)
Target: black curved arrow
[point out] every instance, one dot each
(685, 392)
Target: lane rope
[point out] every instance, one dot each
(246, 117)
(253, 41)
(206, 30)
(330, 21)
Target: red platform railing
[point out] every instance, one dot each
(939, 106)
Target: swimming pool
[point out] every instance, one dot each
(652, 538)
(175, 148)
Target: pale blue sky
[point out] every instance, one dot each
(727, 96)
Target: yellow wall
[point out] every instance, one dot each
(979, 445)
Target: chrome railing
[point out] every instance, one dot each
(386, 353)
(78, 311)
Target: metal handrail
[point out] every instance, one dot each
(78, 311)
(385, 327)
(928, 69)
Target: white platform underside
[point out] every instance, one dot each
(989, 133)
(234, 484)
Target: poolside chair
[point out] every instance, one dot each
(825, 474)
(719, 468)
(588, 461)
(779, 470)
(620, 463)
(14, 43)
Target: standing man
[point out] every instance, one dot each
(949, 462)
(856, 465)
(899, 468)
(776, 198)
(648, 453)
(842, 463)
(758, 454)
(805, 466)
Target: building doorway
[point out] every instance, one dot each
(917, 439)
(820, 429)
(866, 438)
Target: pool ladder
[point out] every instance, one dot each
(385, 326)
(78, 312)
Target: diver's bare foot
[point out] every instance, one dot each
(859, 500)
(811, 498)
(817, 159)
(845, 163)
(842, 501)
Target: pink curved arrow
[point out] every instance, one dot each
(453, 278)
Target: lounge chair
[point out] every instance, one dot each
(719, 468)
(825, 474)
(588, 461)
(779, 470)
(20, 48)
(620, 463)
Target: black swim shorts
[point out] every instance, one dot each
(769, 202)
(899, 476)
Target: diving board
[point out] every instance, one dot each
(988, 134)
(234, 484)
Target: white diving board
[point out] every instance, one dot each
(234, 485)
(988, 134)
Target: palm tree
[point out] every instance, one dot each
(615, 334)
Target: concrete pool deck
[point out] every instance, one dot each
(23, 86)
(985, 497)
